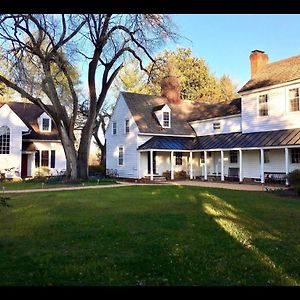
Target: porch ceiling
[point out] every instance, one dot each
(285, 137)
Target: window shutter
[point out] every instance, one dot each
(52, 159)
(37, 158)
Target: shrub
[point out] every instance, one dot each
(42, 172)
(96, 170)
(294, 180)
(294, 177)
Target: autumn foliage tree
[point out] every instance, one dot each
(54, 43)
(196, 80)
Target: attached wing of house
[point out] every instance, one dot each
(253, 138)
(29, 141)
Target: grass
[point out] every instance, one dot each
(40, 184)
(150, 235)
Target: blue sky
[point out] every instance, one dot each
(225, 41)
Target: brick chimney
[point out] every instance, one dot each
(258, 59)
(170, 88)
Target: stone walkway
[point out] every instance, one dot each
(212, 184)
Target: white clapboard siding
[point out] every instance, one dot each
(279, 115)
(127, 140)
(227, 125)
(16, 126)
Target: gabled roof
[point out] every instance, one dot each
(285, 137)
(142, 109)
(29, 113)
(275, 73)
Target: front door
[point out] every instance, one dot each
(24, 165)
(154, 162)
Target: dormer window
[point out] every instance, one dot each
(45, 125)
(294, 99)
(166, 119)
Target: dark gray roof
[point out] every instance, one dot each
(29, 113)
(285, 137)
(274, 73)
(142, 108)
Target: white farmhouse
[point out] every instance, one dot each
(28, 140)
(253, 138)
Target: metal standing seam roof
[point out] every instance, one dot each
(286, 137)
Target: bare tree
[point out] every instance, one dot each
(50, 42)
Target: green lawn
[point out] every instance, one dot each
(34, 184)
(150, 235)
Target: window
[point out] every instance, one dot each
(266, 156)
(45, 158)
(216, 125)
(37, 158)
(178, 158)
(296, 156)
(263, 105)
(121, 156)
(202, 161)
(126, 126)
(233, 157)
(46, 125)
(4, 140)
(114, 127)
(52, 159)
(209, 154)
(294, 99)
(166, 119)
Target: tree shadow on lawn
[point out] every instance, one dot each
(170, 236)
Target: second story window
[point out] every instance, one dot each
(114, 128)
(263, 105)
(216, 125)
(166, 119)
(126, 126)
(45, 124)
(294, 99)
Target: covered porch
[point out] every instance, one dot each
(259, 162)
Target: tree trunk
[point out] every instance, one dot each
(103, 156)
(84, 150)
(70, 152)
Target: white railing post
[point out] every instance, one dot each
(151, 165)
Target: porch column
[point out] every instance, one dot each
(222, 165)
(139, 165)
(286, 152)
(151, 165)
(191, 165)
(241, 164)
(172, 165)
(205, 165)
(262, 166)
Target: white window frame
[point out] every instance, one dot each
(9, 140)
(121, 146)
(268, 105)
(288, 99)
(169, 119)
(112, 127)
(125, 126)
(50, 123)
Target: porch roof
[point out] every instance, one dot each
(285, 137)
